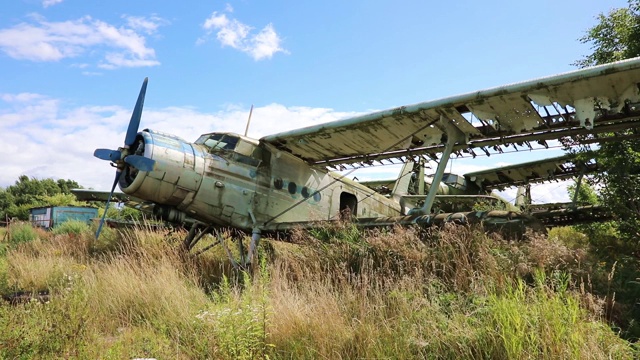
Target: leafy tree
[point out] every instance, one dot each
(587, 195)
(6, 201)
(616, 36)
(27, 190)
(118, 212)
(66, 185)
(61, 199)
(16, 200)
(601, 235)
(26, 193)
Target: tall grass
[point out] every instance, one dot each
(456, 295)
(339, 293)
(21, 232)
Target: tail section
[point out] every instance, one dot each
(523, 197)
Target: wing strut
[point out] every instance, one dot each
(574, 203)
(454, 136)
(523, 198)
(409, 170)
(401, 186)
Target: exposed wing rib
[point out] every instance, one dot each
(557, 168)
(588, 102)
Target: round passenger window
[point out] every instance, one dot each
(292, 188)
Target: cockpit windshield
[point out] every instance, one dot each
(232, 148)
(217, 142)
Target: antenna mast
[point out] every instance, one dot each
(246, 130)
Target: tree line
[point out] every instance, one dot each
(27, 193)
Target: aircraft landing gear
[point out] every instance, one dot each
(196, 233)
(199, 230)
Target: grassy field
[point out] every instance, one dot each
(331, 293)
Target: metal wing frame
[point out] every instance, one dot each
(555, 168)
(587, 103)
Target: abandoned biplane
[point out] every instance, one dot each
(283, 180)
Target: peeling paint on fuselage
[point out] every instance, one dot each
(223, 187)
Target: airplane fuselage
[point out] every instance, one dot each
(230, 180)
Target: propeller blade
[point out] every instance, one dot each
(137, 161)
(106, 207)
(106, 154)
(134, 123)
(140, 162)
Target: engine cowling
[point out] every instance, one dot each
(177, 174)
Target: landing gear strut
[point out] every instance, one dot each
(195, 235)
(199, 230)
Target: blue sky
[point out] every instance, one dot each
(71, 69)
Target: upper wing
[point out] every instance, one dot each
(588, 102)
(557, 168)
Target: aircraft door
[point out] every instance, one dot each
(348, 205)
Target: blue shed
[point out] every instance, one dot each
(50, 216)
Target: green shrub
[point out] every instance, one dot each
(75, 227)
(570, 236)
(53, 329)
(4, 281)
(547, 321)
(21, 233)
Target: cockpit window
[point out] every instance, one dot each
(449, 178)
(216, 142)
(231, 148)
(455, 181)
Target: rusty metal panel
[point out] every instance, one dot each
(509, 114)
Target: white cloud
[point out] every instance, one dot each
(148, 25)
(92, 73)
(41, 40)
(542, 193)
(235, 34)
(265, 44)
(230, 32)
(47, 3)
(20, 98)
